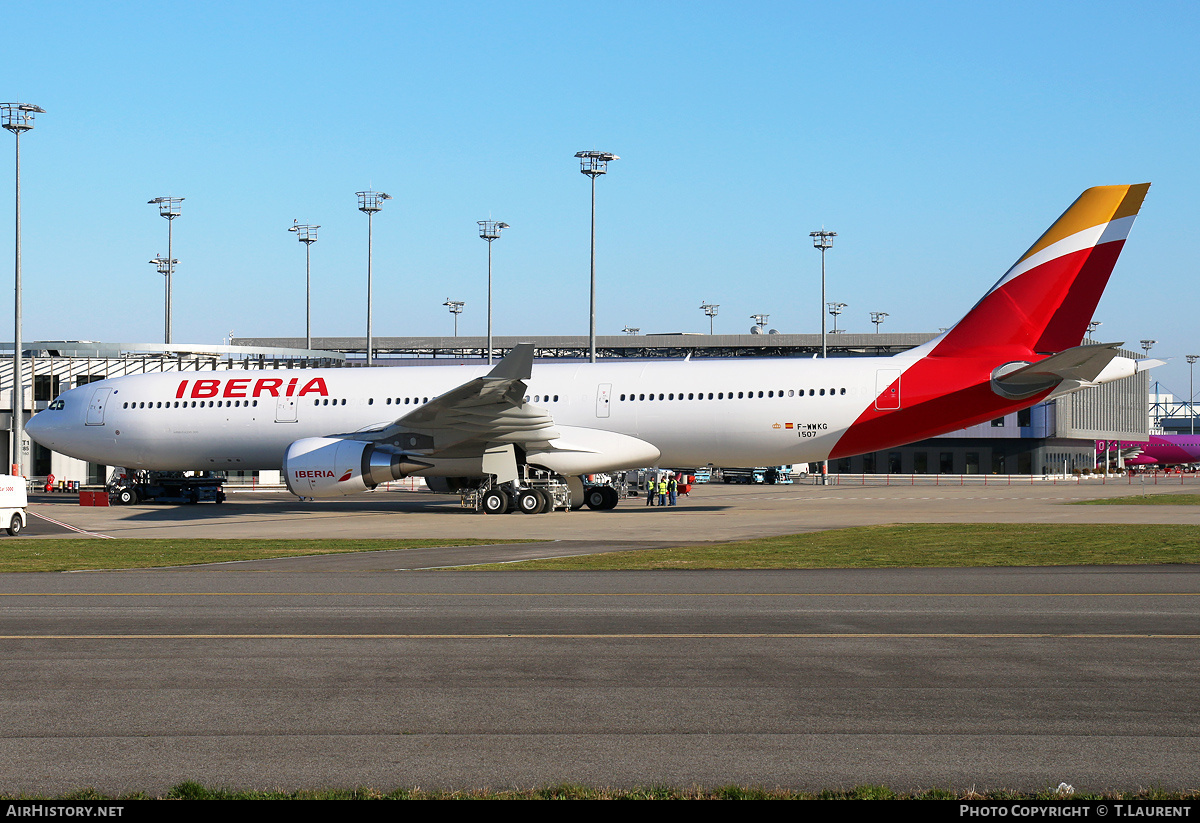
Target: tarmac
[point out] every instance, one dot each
(712, 513)
(347, 671)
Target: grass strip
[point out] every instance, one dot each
(896, 546)
(81, 553)
(913, 545)
(1156, 499)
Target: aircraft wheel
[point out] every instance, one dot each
(549, 498)
(595, 498)
(576, 496)
(611, 498)
(495, 501)
(14, 525)
(530, 502)
(126, 497)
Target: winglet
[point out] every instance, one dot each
(516, 365)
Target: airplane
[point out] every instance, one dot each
(1160, 450)
(517, 427)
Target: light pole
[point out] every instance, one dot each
(835, 309)
(1146, 344)
(760, 321)
(1092, 326)
(1192, 358)
(18, 118)
(823, 242)
(369, 202)
(593, 164)
(456, 307)
(489, 230)
(877, 318)
(164, 265)
(711, 310)
(168, 207)
(306, 234)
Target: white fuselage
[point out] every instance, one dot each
(724, 412)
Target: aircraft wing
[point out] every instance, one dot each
(483, 414)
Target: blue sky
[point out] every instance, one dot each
(938, 139)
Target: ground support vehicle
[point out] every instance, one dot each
(14, 497)
(744, 475)
(759, 474)
(166, 487)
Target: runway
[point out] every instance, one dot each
(363, 675)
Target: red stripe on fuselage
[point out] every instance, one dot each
(1043, 310)
(937, 395)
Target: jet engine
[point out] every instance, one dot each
(332, 467)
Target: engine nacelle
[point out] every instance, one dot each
(332, 467)
(587, 451)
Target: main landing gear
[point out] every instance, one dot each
(542, 494)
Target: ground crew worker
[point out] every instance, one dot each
(662, 491)
(672, 488)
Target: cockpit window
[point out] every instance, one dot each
(57, 405)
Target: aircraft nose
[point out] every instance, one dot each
(37, 428)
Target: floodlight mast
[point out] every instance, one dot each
(18, 119)
(835, 309)
(164, 266)
(823, 242)
(593, 164)
(306, 234)
(489, 230)
(710, 309)
(168, 208)
(369, 202)
(877, 318)
(456, 307)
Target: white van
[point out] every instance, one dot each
(13, 500)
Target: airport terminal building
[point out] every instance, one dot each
(1054, 437)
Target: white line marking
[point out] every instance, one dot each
(70, 527)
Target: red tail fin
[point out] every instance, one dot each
(1046, 300)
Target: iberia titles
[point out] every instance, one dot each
(240, 387)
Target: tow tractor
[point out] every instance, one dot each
(166, 487)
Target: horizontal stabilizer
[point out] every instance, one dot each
(1082, 364)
